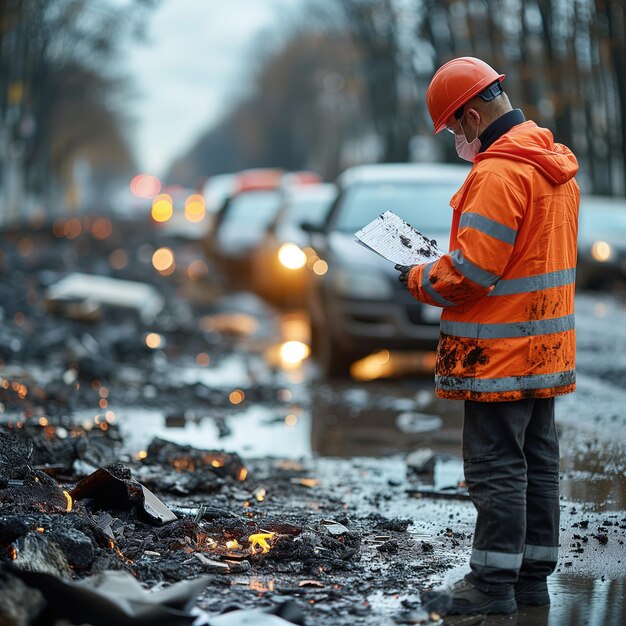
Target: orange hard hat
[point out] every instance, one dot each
(455, 83)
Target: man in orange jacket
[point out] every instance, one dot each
(507, 342)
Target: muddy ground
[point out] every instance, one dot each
(359, 526)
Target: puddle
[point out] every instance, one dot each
(585, 601)
(411, 422)
(575, 602)
(594, 473)
(606, 492)
(448, 473)
(231, 372)
(255, 432)
(381, 419)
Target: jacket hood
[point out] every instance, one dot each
(534, 145)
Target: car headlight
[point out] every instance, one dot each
(601, 251)
(357, 284)
(291, 256)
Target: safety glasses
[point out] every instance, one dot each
(453, 125)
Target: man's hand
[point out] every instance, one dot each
(404, 273)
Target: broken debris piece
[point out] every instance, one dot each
(82, 295)
(115, 597)
(190, 459)
(113, 488)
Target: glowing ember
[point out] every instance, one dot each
(183, 464)
(233, 544)
(13, 553)
(213, 461)
(68, 507)
(237, 396)
(260, 494)
(257, 584)
(259, 542)
(120, 553)
(288, 464)
(308, 482)
(243, 474)
(20, 390)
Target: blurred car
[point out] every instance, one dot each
(601, 242)
(125, 205)
(356, 304)
(188, 218)
(281, 261)
(241, 221)
(216, 189)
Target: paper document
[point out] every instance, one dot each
(398, 242)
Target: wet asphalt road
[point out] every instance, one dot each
(355, 430)
(589, 585)
(380, 421)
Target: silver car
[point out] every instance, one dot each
(601, 243)
(358, 305)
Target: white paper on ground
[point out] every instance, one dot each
(395, 240)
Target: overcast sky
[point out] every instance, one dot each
(193, 60)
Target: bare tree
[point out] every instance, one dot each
(377, 27)
(57, 86)
(302, 109)
(565, 64)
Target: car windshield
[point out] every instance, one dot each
(312, 210)
(253, 208)
(426, 206)
(600, 218)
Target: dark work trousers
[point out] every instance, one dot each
(511, 462)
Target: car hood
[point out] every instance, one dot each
(345, 251)
(235, 239)
(293, 234)
(615, 238)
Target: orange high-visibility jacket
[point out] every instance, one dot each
(507, 284)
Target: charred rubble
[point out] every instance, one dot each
(69, 526)
(77, 505)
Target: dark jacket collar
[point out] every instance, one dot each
(497, 128)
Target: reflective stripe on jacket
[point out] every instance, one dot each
(507, 284)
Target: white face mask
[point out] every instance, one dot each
(467, 150)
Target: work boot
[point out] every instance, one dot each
(464, 598)
(532, 591)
